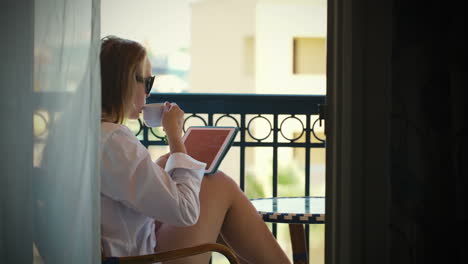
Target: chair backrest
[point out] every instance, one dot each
(171, 255)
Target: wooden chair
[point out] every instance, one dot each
(172, 254)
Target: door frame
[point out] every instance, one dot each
(359, 41)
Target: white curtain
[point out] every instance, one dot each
(50, 112)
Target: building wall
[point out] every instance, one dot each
(220, 29)
(277, 24)
(224, 31)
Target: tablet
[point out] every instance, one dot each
(209, 144)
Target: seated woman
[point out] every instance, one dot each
(152, 206)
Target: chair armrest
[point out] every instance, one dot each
(175, 254)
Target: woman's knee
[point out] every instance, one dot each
(219, 178)
(220, 183)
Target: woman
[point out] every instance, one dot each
(157, 206)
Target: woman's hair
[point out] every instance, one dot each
(121, 60)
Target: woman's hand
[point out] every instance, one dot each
(173, 122)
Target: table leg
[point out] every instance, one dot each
(298, 242)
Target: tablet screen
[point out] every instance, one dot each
(208, 144)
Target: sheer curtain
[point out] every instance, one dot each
(50, 109)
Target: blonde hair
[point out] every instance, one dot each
(121, 60)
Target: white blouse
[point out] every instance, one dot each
(135, 191)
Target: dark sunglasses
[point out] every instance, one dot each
(147, 81)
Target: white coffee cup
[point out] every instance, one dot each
(152, 114)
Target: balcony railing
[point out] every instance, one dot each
(242, 110)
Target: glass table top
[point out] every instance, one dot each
(291, 209)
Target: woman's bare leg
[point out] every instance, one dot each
(221, 241)
(224, 209)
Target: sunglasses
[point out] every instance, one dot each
(147, 81)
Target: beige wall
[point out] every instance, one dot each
(219, 29)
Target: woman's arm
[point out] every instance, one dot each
(129, 175)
